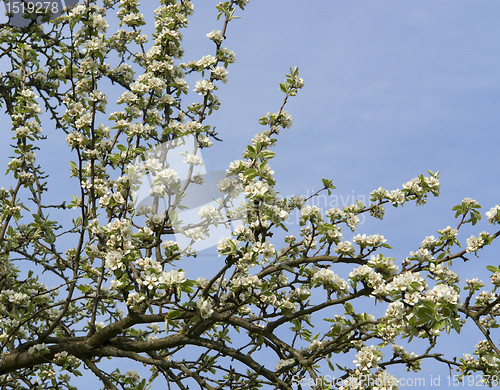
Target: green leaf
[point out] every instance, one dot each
(308, 322)
(328, 184)
(251, 173)
(251, 151)
(492, 268)
(267, 154)
(430, 305)
(455, 325)
(173, 216)
(173, 314)
(348, 308)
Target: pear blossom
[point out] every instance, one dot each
(133, 376)
(443, 293)
(257, 189)
(172, 277)
(114, 260)
(205, 308)
(368, 357)
(310, 211)
(345, 248)
(203, 87)
(216, 36)
(329, 279)
(474, 243)
(206, 61)
(38, 349)
(193, 159)
(493, 215)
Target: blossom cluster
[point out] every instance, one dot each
(368, 357)
(152, 274)
(329, 280)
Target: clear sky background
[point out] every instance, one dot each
(392, 88)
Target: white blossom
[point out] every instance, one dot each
(203, 87)
(114, 260)
(133, 376)
(220, 73)
(345, 248)
(257, 189)
(205, 308)
(38, 349)
(193, 159)
(474, 243)
(310, 211)
(216, 36)
(206, 61)
(330, 279)
(368, 358)
(172, 277)
(443, 293)
(210, 212)
(493, 215)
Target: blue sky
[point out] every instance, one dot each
(392, 88)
